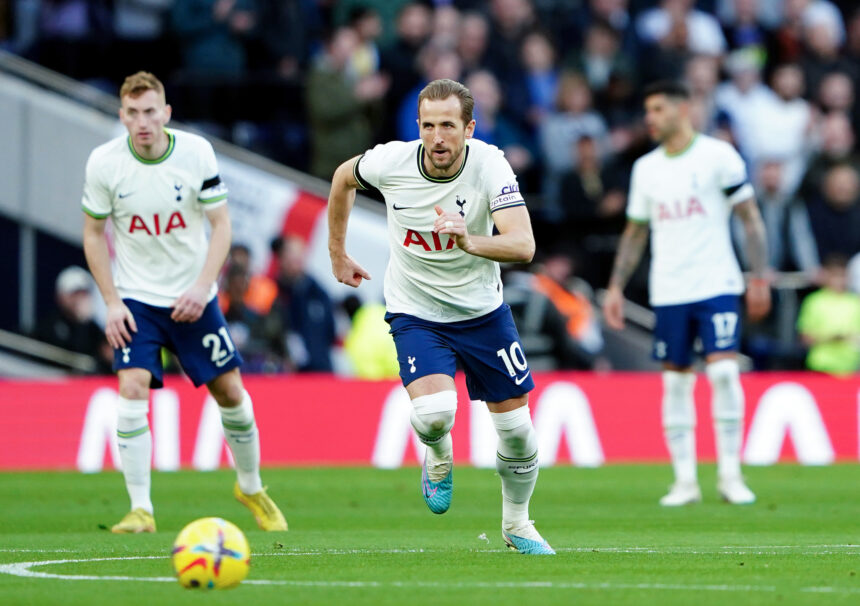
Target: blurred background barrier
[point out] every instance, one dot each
(585, 419)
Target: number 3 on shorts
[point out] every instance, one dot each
(516, 357)
(219, 356)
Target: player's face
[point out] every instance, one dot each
(145, 116)
(662, 117)
(443, 133)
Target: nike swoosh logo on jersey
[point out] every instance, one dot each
(121, 196)
(395, 207)
(220, 363)
(519, 380)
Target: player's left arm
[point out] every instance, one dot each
(515, 241)
(758, 289)
(189, 307)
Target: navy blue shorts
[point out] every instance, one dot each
(715, 321)
(204, 348)
(488, 348)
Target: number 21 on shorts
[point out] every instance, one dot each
(220, 356)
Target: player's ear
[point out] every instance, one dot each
(168, 111)
(470, 129)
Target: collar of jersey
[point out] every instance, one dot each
(439, 179)
(681, 152)
(171, 143)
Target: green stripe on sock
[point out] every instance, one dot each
(132, 434)
(513, 460)
(237, 426)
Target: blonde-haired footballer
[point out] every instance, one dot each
(159, 187)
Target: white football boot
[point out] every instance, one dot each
(682, 493)
(734, 491)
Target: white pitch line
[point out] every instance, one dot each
(23, 569)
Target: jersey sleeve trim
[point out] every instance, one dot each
(212, 200)
(512, 205)
(94, 215)
(739, 193)
(639, 220)
(210, 182)
(362, 184)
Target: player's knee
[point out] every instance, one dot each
(728, 396)
(433, 415)
(516, 431)
(134, 383)
(679, 408)
(227, 389)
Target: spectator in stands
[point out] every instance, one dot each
(541, 72)
(260, 292)
(829, 322)
(400, 59)
(510, 22)
(744, 28)
(368, 344)
(446, 26)
(673, 30)
(340, 107)
(836, 147)
(365, 60)
(702, 75)
(307, 309)
(744, 99)
(835, 212)
(71, 324)
(435, 63)
(573, 119)
(601, 59)
(213, 34)
(473, 41)
(494, 127)
(790, 242)
(823, 34)
(259, 337)
(557, 324)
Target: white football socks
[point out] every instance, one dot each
(728, 411)
(516, 462)
(240, 431)
(135, 450)
(679, 423)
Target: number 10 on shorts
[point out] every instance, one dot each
(516, 358)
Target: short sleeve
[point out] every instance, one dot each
(367, 170)
(96, 201)
(733, 178)
(500, 183)
(213, 191)
(638, 209)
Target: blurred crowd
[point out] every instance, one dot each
(557, 86)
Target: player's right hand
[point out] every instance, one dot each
(116, 330)
(613, 308)
(347, 270)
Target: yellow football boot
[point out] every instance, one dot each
(267, 514)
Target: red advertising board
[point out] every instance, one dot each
(581, 418)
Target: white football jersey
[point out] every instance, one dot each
(687, 199)
(157, 208)
(428, 276)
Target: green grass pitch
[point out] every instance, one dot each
(364, 536)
